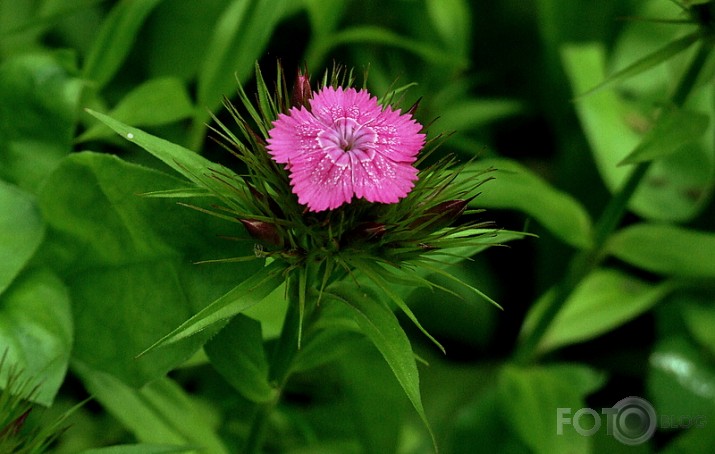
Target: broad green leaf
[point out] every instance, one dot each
(155, 102)
(237, 354)
(191, 165)
(663, 54)
(381, 326)
(38, 109)
(129, 262)
(159, 413)
(116, 37)
(680, 380)
(603, 301)
(248, 293)
(529, 397)
(21, 231)
(517, 188)
(238, 41)
(36, 330)
(666, 249)
(601, 114)
(677, 185)
(138, 449)
(674, 128)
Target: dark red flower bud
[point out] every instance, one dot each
(411, 110)
(442, 214)
(262, 231)
(15, 425)
(366, 231)
(302, 92)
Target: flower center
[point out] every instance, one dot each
(346, 134)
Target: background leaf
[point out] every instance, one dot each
(116, 37)
(515, 187)
(245, 295)
(155, 102)
(39, 99)
(191, 165)
(530, 396)
(451, 19)
(238, 355)
(374, 395)
(666, 249)
(160, 413)
(238, 41)
(603, 300)
(676, 375)
(673, 129)
(675, 186)
(36, 330)
(131, 276)
(138, 449)
(21, 231)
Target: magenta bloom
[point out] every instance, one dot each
(345, 144)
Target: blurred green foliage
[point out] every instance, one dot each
(92, 274)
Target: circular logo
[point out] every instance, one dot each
(634, 421)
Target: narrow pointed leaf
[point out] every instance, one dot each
(649, 61)
(246, 294)
(380, 325)
(375, 275)
(238, 40)
(673, 129)
(155, 102)
(186, 162)
(116, 38)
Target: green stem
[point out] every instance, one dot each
(281, 363)
(584, 262)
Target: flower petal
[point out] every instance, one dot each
(344, 145)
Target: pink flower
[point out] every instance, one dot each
(344, 144)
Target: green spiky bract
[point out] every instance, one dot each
(16, 435)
